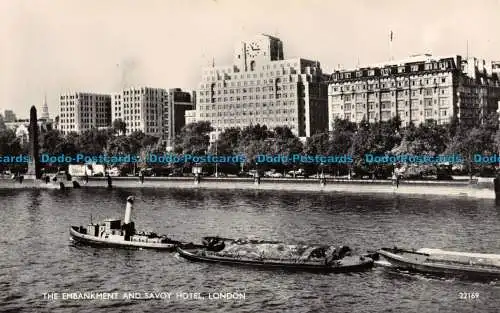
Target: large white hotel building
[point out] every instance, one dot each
(418, 89)
(261, 87)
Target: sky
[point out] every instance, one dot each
(49, 47)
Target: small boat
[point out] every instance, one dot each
(313, 258)
(114, 233)
(441, 262)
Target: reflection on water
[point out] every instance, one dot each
(38, 257)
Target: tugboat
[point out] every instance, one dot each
(112, 233)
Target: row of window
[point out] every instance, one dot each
(281, 72)
(264, 67)
(86, 97)
(372, 86)
(278, 80)
(245, 90)
(150, 91)
(246, 105)
(387, 105)
(387, 115)
(251, 97)
(263, 112)
(238, 122)
(443, 65)
(430, 92)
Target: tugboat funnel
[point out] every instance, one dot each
(128, 210)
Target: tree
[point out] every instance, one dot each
(139, 140)
(253, 149)
(194, 138)
(466, 143)
(227, 143)
(286, 142)
(70, 144)
(2, 123)
(118, 145)
(317, 144)
(9, 143)
(119, 126)
(51, 142)
(255, 132)
(94, 141)
(429, 139)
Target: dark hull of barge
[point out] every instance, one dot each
(345, 265)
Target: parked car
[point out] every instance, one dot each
(114, 172)
(244, 174)
(176, 174)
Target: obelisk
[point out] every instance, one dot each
(34, 171)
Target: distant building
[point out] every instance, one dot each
(174, 117)
(21, 127)
(261, 87)
(154, 111)
(45, 110)
(9, 116)
(22, 132)
(82, 111)
(495, 67)
(141, 109)
(417, 89)
(190, 116)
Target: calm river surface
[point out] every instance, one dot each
(37, 256)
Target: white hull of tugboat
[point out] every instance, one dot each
(117, 243)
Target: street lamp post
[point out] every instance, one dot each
(197, 172)
(322, 179)
(216, 139)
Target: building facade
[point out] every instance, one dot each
(495, 67)
(190, 116)
(82, 111)
(141, 109)
(261, 87)
(9, 116)
(179, 102)
(417, 89)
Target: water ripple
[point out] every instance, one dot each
(38, 257)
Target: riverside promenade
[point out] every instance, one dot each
(482, 188)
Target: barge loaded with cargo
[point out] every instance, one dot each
(442, 262)
(315, 258)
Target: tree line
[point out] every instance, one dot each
(347, 138)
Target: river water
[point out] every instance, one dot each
(39, 261)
